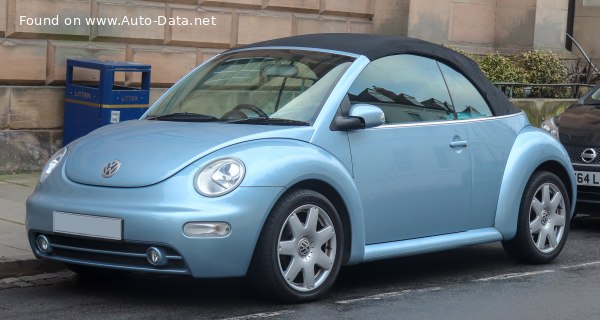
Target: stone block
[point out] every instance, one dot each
(429, 20)
(588, 40)
(217, 34)
(550, 28)
(553, 4)
(132, 30)
(473, 23)
(320, 25)
(47, 18)
(518, 3)
(247, 4)
(351, 8)
(4, 103)
(23, 61)
(60, 51)
(36, 107)
(254, 28)
(391, 17)
(169, 64)
(308, 6)
(587, 8)
(191, 2)
(514, 26)
(361, 27)
(2, 18)
(156, 93)
(56, 140)
(23, 150)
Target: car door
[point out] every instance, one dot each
(413, 172)
(491, 139)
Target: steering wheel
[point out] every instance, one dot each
(244, 106)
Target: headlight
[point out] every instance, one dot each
(52, 163)
(220, 177)
(550, 126)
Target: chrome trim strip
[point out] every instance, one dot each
(108, 252)
(445, 122)
(342, 53)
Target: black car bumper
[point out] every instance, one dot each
(588, 197)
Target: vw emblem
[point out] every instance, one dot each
(304, 247)
(588, 155)
(111, 168)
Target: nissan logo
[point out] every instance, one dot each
(588, 155)
(111, 168)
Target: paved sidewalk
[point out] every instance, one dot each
(15, 254)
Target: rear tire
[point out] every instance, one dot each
(299, 252)
(543, 222)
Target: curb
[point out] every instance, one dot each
(18, 268)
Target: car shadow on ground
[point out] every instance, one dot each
(374, 277)
(428, 270)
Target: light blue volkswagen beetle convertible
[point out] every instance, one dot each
(286, 159)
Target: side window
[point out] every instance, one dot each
(468, 102)
(407, 88)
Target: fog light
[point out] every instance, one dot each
(43, 244)
(207, 229)
(156, 257)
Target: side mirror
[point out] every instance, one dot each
(361, 116)
(372, 116)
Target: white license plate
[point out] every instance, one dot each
(88, 226)
(587, 178)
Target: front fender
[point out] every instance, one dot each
(286, 162)
(532, 148)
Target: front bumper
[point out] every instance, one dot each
(153, 216)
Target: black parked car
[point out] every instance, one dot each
(578, 129)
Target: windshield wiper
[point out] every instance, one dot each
(185, 116)
(271, 121)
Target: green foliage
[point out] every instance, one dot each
(500, 68)
(544, 67)
(532, 67)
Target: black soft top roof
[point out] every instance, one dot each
(375, 46)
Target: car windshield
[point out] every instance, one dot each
(282, 87)
(594, 98)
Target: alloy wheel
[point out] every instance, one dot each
(307, 247)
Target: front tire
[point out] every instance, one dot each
(299, 253)
(543, 221)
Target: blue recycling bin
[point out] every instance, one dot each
(89, 106)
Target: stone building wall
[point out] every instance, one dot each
(32, 58)
(586, 26)
(506, 26)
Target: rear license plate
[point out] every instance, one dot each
(587, 178)
(88, 226)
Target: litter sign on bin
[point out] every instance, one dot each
(115, 116)
(89, 106)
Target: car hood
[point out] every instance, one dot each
(151, 151)
(580, 126)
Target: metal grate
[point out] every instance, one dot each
(125, 255)
(575, 154)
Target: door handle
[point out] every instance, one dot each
(459, 144)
